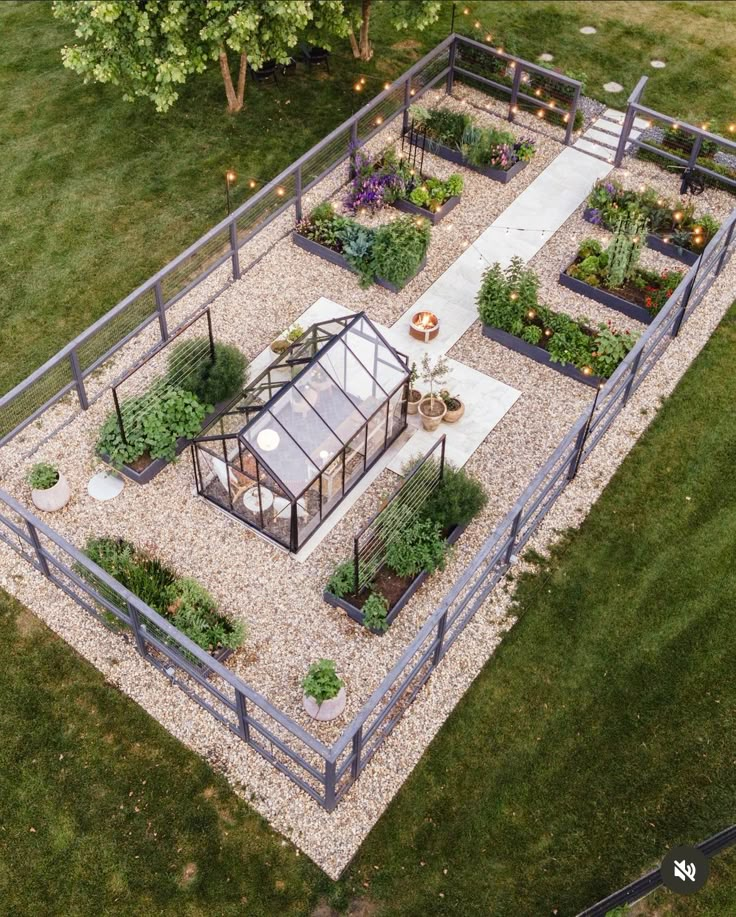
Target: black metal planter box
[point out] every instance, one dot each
(606, 298)
(657, 244)
(315, 248)
(357, 615)
(445, 152)
(434, 216)
(539, 355)
(157, 465)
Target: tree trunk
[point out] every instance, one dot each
(233, 102)
(362, 49)
(241, 79)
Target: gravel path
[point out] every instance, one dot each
(289, 624)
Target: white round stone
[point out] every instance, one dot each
(588, 30)
(613, 87)
(105, 485)
(658, 64)
(546, 57)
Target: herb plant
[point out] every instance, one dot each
(342, 581)
(455, 501)
(419, 546)
(192, 368)
(375, 612)
(321, 681)
(42, 476)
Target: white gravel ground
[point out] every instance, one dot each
(288, 623)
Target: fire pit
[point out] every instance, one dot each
(424, 326)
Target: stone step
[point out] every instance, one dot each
(604, 153)
(613, 128)
(613, 114)
(601, 137)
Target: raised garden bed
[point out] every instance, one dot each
(145, 469)
(539, 355)
(638, 313)
(329, 254)
(434, 216)
(445, 152)
(398, 590)
(656, 243)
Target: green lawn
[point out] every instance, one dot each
(98, 194)
(600, 733)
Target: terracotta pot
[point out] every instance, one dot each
(432, 410)
(452, 416)
(328, 709)
(53, 498)
(412, 405)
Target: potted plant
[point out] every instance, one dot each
(414, 396)
(287, 338)
(455, 407)
(432, 408)
(49, 488)
(324, 692)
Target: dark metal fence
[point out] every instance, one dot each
(324, 773)
(374, 538)
(676, 144)
(71, 370)
(652, 880)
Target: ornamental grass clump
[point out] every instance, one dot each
(181, 600)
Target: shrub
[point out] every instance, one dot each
(194, 612)
(457, 500)
(398, 249)
(419, 546)
(153, 424)
(42, 476)
(321, 681)
(375, 612)
(191, 368)
(532, 334)
(186, 603)
(342, 581)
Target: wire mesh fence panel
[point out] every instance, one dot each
(549, 98)
(195, 265)
(326, 158)
(107, 338)
(429, 72)
(403, 508)
(257, 214)
(381, 113)
(49, 386)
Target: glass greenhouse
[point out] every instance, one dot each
(306, 430)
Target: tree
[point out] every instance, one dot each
(417, 14)
(151, 49)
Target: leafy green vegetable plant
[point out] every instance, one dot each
(419, 546)
(42, 476)
(342, 581)
(375, 612)
(321, 681)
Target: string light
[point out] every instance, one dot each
(466, 11)
(476, 24)
(489, 37)
(387, 85)
(587, 371)
(280, 192)
(732, 128)
(379, 120)
(514, 296)
(677, 216)
(252, 183)
(358, 87)
(548, 332)
(531, 314)
(362, 80)
(540, 113)
(230, 176)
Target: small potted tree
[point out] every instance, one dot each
(412, 405)
(455, 407)
(324, 692)
(287, 338)
(49, 488)
(432, 408)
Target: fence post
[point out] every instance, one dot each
(354, 134)
(514, 91)
(78, 380)
(512, 538)
(572, 114)
(407, 103)
(695, 152)
(357, 749)
(136, 624)
(726, 247)
(677, 324)
(632, 375)
(39, 550)
(234, 249)
(242, 715)
(330, 789)
(161, 309)
(441, 628)
(298, 193)
(582, 436)
(451, 74)
(623, 139)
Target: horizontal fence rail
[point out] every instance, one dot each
(675, 143)
(69, 371)
(324, 773)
